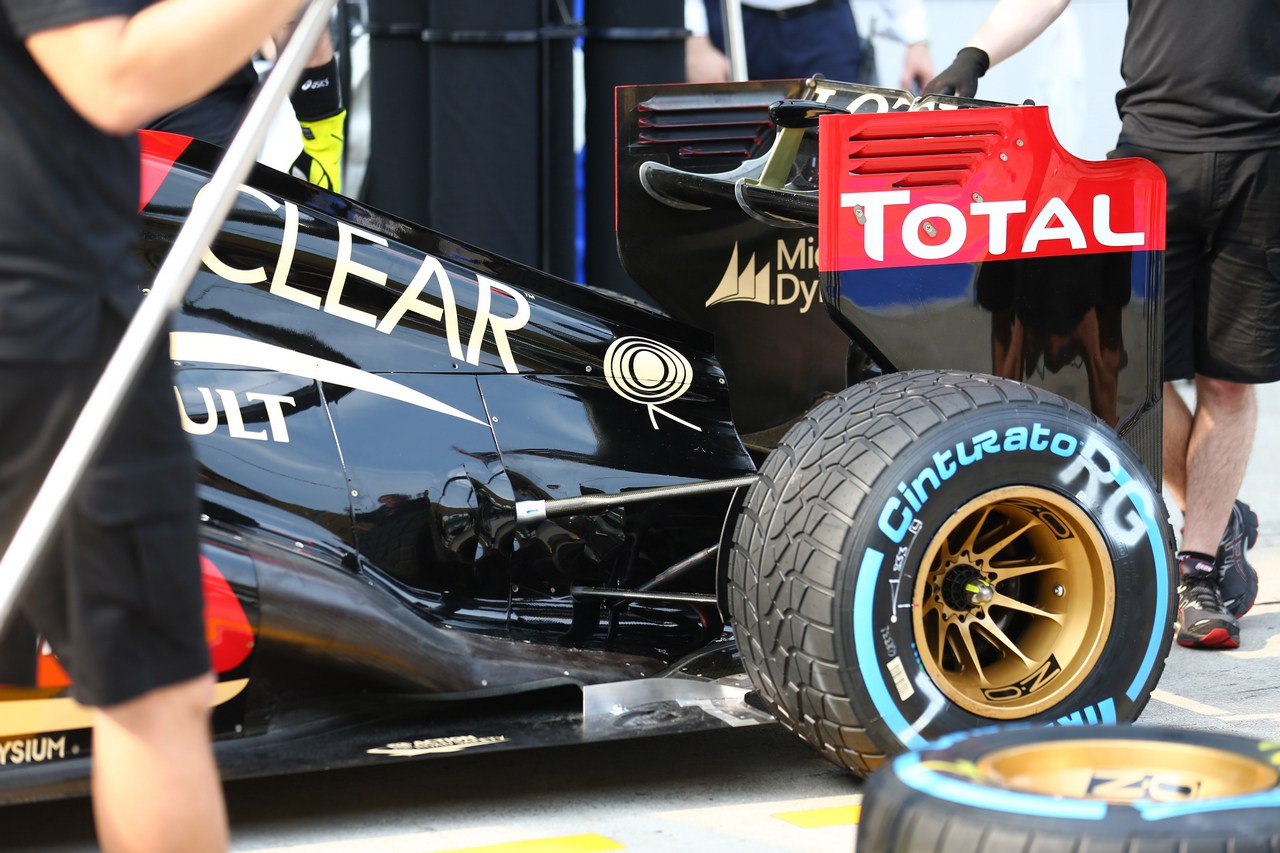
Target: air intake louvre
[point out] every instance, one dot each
(946, 157)
(727, 126)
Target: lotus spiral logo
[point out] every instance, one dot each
(649, 373)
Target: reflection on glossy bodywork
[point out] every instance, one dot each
(979, 218)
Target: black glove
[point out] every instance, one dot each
(961, 76)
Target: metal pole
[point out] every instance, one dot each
(735, 41)
(167, 292)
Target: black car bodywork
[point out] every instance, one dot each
(453, 503)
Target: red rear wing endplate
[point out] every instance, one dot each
(963, 186)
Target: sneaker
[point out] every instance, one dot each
(1237, 580)
(1203, 621)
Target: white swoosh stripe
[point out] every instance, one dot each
(241, 352)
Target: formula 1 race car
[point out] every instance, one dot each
(882, 466)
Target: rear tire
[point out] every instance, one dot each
(930, 552)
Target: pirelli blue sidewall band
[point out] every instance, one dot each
(930, 773)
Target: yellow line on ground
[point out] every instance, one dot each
(815, 818)
(589, 843)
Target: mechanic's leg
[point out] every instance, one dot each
(1177, 433)
(155, 784)
(1217, 453)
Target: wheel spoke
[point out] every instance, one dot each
(971, 539)
(943, 641)
(1004, 573)
(1009, 603)
(992, 630)
(966, 635)
(991, 552)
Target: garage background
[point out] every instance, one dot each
(491, 120)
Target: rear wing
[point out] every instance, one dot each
(935, 233)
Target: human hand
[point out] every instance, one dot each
(961, 76)
(703, 63)
(917, 67)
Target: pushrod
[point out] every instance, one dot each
(531, 512)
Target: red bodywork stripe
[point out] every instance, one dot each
(227, 627)
(159, 152)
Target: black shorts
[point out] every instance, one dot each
(1221, 264)
(118, 594)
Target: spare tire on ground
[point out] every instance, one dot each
(1104, 789)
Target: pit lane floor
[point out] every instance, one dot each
(755, 788)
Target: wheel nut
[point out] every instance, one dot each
(979, 592)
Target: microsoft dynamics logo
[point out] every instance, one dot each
(796, 281)
(745, 285)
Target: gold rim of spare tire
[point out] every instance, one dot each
(1125, 771)
(1013, 605)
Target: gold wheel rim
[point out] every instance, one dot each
(1013, 605)
(1125, 771)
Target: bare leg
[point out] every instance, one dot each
(1177, 433)
(155, 784)
(1218, 449)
